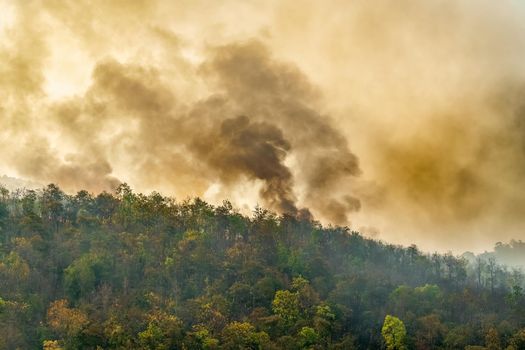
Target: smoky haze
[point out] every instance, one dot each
(404, 120)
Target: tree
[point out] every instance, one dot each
(430, 331)
(51, 345)
(84, 274)
(52, 206)
(163, 332)
(201, 338)
(394, 333)
(323, 320)
(241, 336)
(286, 305)
(308, 337)
(492, 267)
(308, 297)
(492, 341)
(517, 341)
(14, 272)
(4, 215)
(480, 267)
(67, 322)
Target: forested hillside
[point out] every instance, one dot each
(133, 271)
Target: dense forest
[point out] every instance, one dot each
(130, 271)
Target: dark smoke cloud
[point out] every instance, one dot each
(235, 133)
(279, 93)
(254, 149)
(258, 113)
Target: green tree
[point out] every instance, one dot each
(4, 215)
(286, 305)
(163, 332)
(394, 333)
(308, 337)
(52, 205)
(84, 274)
(242, 336)
(201, 338)
(324, 321)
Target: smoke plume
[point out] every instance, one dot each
(405, 118)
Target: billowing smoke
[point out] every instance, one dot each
(256, 150)
(273, 102)
(256, 113)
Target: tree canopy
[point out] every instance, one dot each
(126, 270)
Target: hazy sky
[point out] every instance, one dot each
(403, 119)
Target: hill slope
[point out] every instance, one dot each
(130, 271)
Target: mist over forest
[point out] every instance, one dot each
(511, 254)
